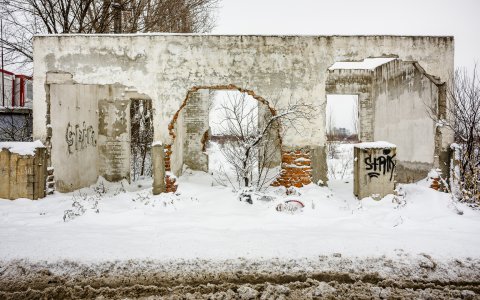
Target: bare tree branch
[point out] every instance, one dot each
(25, 18)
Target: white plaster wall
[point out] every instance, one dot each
(77, 166)
(164, 67)
(401, 112)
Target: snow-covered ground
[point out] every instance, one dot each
(208, 221)
(205, 229)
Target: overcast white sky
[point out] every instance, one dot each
(460, 18)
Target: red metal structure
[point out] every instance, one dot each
(18, 85)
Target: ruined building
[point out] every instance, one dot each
(84, 86)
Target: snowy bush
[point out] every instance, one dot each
(81, 203)
(120, 190)
(141, 139)
(162, 200)
(143, 198)
(465, 175)
(340, 163)
(461, 115)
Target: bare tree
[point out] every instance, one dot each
(24, 18)
(14, 126)
(355, 122)
(253, 144)
(141, 138)
(332, 140)
(462, 116)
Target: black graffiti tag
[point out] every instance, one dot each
(80, 136)
(381, 164)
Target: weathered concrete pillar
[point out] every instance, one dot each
(196, 125)
(319, 165)
(114, 147)
(374, 169)
(158, 168)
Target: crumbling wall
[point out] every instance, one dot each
(89, 132)
(165, 67)
(355, 82)
(402, 99)
(176, 156)
(288, 68)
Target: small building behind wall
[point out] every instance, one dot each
(83, 83)
(394, 101)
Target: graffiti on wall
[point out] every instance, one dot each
(80, 137)
(383, 164)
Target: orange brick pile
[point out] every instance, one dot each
(296, 169)
(170, 182)
(435, 183)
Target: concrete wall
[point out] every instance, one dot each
(196, 123)
(74, 136)
(114, 139)
(394, 101)
(166, 67)
(356, 82)
(90, 135)
(402, 97)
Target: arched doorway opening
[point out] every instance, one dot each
(248, 149)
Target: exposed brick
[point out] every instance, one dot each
(296, 169)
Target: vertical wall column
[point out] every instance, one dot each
(158, 169)
(272, 142)
(366, 111)
(114, 139)
(196, 124)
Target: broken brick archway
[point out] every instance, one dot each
(189, 131)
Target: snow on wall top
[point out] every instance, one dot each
(22, 148)
(366, 64)
(375, 145)
(236, 34)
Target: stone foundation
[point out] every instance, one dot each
(296, 169)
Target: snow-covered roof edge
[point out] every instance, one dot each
(22, 148)
(375, 145)
(234, 34)
(370, 63)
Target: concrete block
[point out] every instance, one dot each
(59, 78)
(374, 169)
